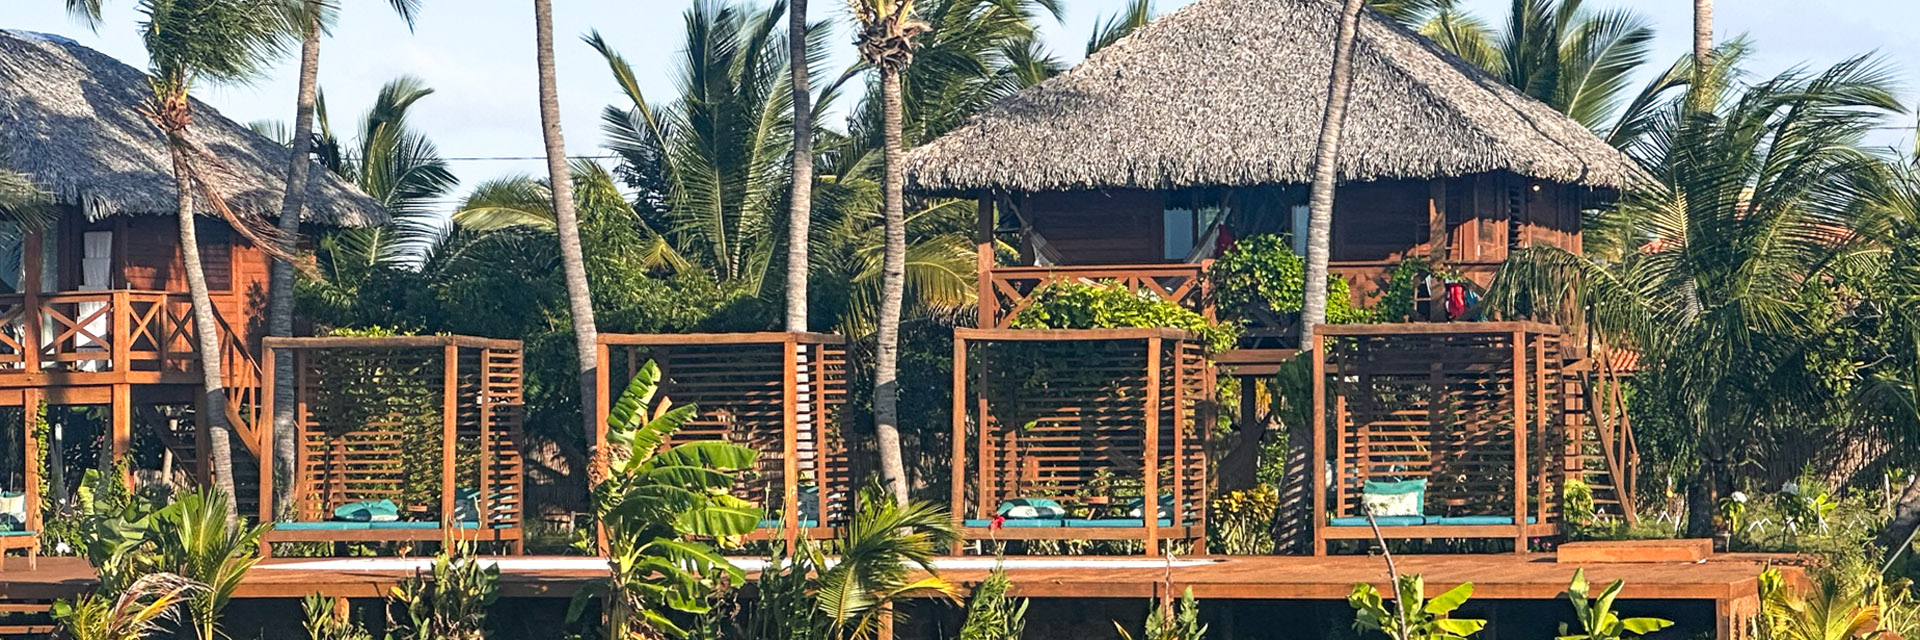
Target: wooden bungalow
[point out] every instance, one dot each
(1144, 163)
(778, 393)
(94, 308)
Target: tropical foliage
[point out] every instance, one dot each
(992, 614)
(881, 547)
(448, 602)
(657, 504)
(1596, 616)
(1409, 615)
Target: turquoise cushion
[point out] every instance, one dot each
(1403, 486)
(368, 511)
(775, 524)
(319, 526)
(1030, 508)
(1482, 520)
(1016, 523)
(406, 524)
(1385, 521)
(14, 534)
(1114, 523)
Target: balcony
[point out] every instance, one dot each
(97, 337)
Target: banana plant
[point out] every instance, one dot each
(1598, 621)
(1410, 615)
(658, 505)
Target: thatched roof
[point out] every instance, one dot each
(1231, 93)
(71, 117)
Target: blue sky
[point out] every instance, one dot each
(477, 54)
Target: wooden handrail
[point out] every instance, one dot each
(1185, 283)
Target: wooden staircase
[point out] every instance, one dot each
(1600, 449)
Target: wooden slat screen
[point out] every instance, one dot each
(1442, 407)
(739, 382)
(372, 425)
(1067, 420)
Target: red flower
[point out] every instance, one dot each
(998, 520)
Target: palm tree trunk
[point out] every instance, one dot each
(280, 284)
(206, 334)
(1702, 32)
(1325, 164)
(893, 288)
(800, 199)
(572, 258)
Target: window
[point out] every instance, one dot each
(1177, 233)
(216, 253)
(1300, 215)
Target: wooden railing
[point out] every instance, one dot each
(1182, 282)
(96, 332)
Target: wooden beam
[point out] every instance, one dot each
(121, 424)
(790, 442)
(959, 443)
(988, 304)
(1319, 422)
(1150, 458)
(268, 398)
(449, 430)
(1520, 385)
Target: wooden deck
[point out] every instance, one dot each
(1495, 576)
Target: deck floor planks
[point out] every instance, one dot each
(1495, 576)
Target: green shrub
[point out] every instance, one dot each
(1241, 522)
(1079, 305)
(991, 613)
(1261, 275)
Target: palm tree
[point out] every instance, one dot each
(193, 538)
(1573, 59)
(1708, 271)
(1702, 32)
(572, 261)
(709, 167)
(1120, 25)
(800, 197)
(218, 41)
(883, 544)
(402, 169)
(887, 30)
(18, 192)
(318, 14)
(1313, 310)
(141, 610)
(86, 11)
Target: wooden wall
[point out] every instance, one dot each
(146, 257)
(1375, 225)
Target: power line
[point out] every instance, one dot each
(519, 158)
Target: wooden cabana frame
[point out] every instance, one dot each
(1474, 409)
(780, 393)
(354, 399)
(28, 539)
(1150, 390)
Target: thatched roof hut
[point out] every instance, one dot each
(1231, 93)
(71, 117)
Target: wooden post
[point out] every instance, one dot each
(31, 270)
(1150, 458)
(790, 439)
(1317, 466)
(30, 409)
(1520, 441)
(121, 424)
(1542, 422)
(988, 432)
(988, 303)
(1179, 431)
(267, 400)
(603, 400)
(483, 503)
(449, 426)
(122, 315)
(1437, 220)
(959, 467)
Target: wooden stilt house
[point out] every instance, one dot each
(1145, 163)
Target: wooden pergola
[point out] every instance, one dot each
(1101, 421)
(778, 393)
(1475, 410)
(431, 423)
(28, 538)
